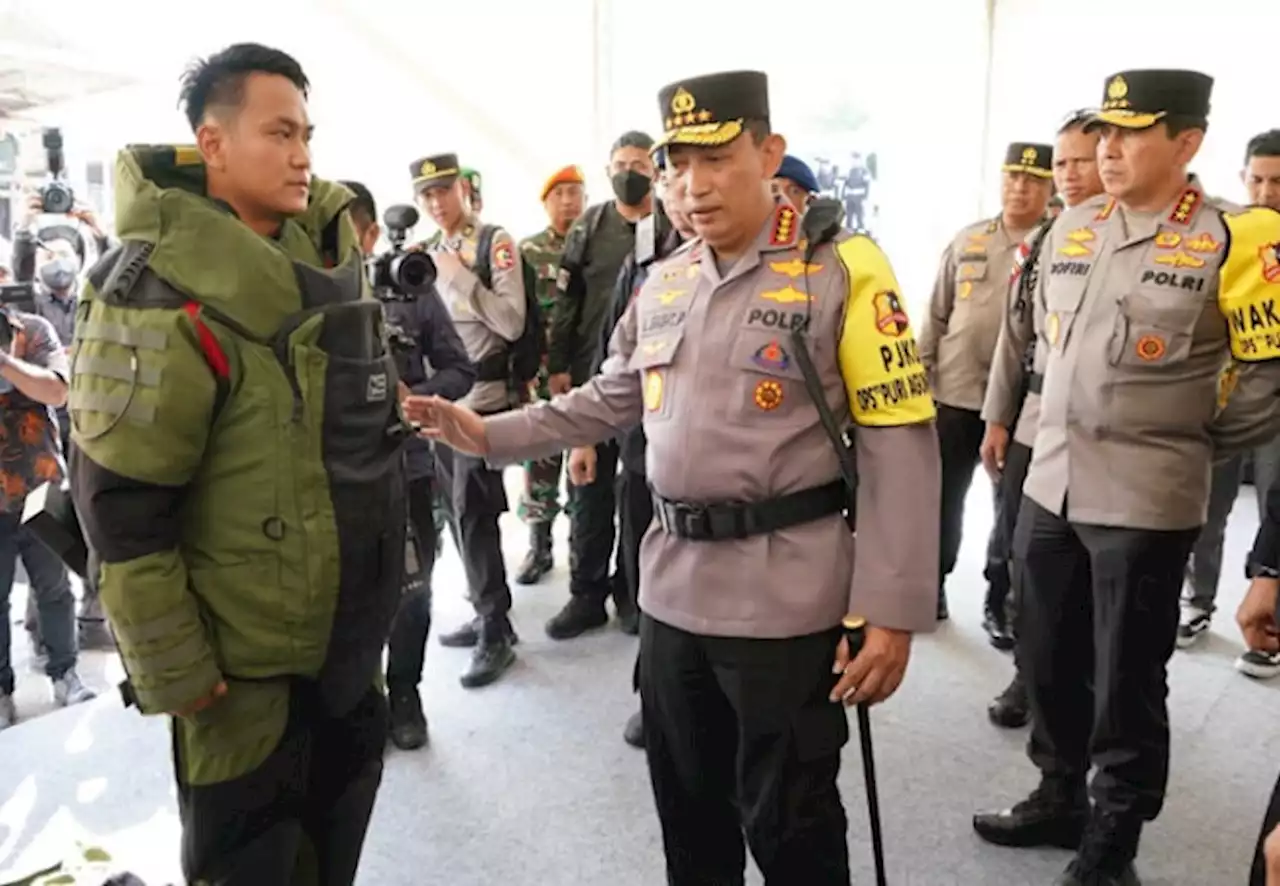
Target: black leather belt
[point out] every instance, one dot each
(1035, 384)
(722, 521)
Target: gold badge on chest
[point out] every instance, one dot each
(653, 390)
(1051, 329)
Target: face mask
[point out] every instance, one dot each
(631, 186)
(59, 274)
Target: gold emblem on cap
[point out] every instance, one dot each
(428, 168)
(1029, 155)
(1117, 88)
(683, 101)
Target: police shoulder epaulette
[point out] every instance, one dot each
(1186, 207)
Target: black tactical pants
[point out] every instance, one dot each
(1258, 875)
(998, 573)
(591, 527)
(740, 737)
(407, 646)
(959, 438)
(1098, 620)
(476, 498)
(300, 818)
(635, 513)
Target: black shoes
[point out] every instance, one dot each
(579, 615)
(468, 636)
(1054, 815)
(1106, 852)
(539, 561)
(408, 727)
(1010, 709)
(489, 661)
(943, 613)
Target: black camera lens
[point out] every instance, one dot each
(413, 272)
(56, 199)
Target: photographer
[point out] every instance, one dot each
(33, 378)
(50, 258)
(429, 337)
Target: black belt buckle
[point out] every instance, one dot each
(690, 521)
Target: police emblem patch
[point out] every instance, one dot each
(1168, 240)
(653, 390)
(772, 356)
(1150, 348)
(504, 257)
(768, 395)
(1270, 255)
(891, 319)
(1203, 242)
(964, 290)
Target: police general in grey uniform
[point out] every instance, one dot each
(956, 343)
(1146, 300)
(750, 567)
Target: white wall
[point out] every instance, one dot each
(1052, 57)
(519, 89)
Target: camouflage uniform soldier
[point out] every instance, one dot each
(562, 197)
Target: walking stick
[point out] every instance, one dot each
(855, 632)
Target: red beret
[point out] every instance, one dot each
(569, 175)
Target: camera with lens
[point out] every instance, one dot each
(400, 274)
(56, 197)
(15, 298)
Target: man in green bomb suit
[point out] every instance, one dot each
(239, 475)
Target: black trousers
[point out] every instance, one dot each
(959, 439)
(407, 646)
(740, 737)
(591, 527)
(635, 513)
(300, 818)
(475, 497)
(1258, 874)
(999, 573)
(1096, 627)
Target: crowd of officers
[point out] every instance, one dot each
(743, 367)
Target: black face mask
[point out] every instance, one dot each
(631, 186)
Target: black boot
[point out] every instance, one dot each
(943, 614)
(492, 656)
(467, 636)
(1054, 815)
(996, 617)
(408, 726)
(1105, 855)
(625, 605)
(633, 732)
(538, 562)
(1010, 709)
(579, 615)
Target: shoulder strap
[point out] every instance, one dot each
(820, 231)
(484, 250)
(214, 355)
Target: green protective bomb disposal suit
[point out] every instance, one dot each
(237, 469)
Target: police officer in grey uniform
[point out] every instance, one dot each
(965, 314)
(749, 566)
(1146, 299)
(1017, 376)
(480, 279)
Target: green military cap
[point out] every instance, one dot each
(712, 109)
(1141, 99)
(436, 171)
(1029, 157)
(471, 176)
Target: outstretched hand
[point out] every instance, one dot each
(438, 419)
